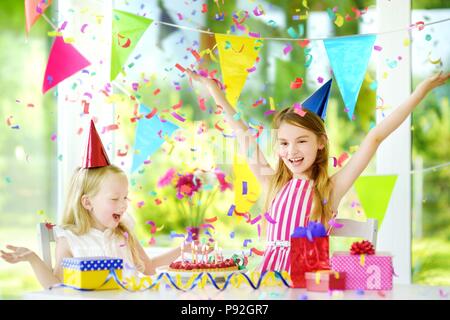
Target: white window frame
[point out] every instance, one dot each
(70, 144)
(394, 154)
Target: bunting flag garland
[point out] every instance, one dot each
(64, 60)
(149, 136)
(374, 193)
(33, 10)
(127, 29)
(349, 58)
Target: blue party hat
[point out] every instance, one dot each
(318, 101)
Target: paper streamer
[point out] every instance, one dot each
(255, 220)
(200, 280)
(269, 218)
(231, 210)
(257, 252)
(334, 224)
(244, 187)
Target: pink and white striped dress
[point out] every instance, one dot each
(290, 209)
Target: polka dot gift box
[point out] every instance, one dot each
(91, 272)
(366, 270)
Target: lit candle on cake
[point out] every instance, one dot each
(196, 252)
(182, 251)
(216, 250)
(220, 254)
(205, 253)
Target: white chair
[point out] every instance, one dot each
(351, 228)
(45, 237)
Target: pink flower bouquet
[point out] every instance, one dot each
(195, 191)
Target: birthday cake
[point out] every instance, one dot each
(189, 266)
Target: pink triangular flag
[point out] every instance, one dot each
(64, 61)
(33, 10)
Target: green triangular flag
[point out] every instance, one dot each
(374, 193)
(127, 29)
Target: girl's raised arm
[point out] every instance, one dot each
(256, 159)
(344, 178)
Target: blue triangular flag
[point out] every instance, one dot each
(349, 58)
(318, 101)
(149, 136)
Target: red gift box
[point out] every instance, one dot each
(308, 256)
(325, 280)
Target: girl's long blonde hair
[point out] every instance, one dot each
(321, 209)
(79, 220)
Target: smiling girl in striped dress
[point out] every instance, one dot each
(299, 189)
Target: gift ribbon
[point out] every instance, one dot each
(318, 277)
(336, 275)
(362, 259)
(194, 281)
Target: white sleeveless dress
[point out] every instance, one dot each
(96, 243)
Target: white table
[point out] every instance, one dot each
(245, 292)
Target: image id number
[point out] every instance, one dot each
(246, 309)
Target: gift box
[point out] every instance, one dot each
(325, 280)
(92, 272)
(309, 252)
(365, 271)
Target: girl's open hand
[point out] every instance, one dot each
(18, 254)
(434, 81)
(207, 82)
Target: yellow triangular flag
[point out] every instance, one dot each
(236, 55)
(246, 186)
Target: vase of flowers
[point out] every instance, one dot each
(195, 191)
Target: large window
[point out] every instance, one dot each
(430, 155)
(28, 140)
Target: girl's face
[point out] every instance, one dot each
(298, 147)
(110, 203)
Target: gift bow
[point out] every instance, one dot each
(313, 230)
(363, 247)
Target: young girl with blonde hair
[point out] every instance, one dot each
(94, 223)
(299, 189)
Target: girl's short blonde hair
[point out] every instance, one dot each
(79, 220)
